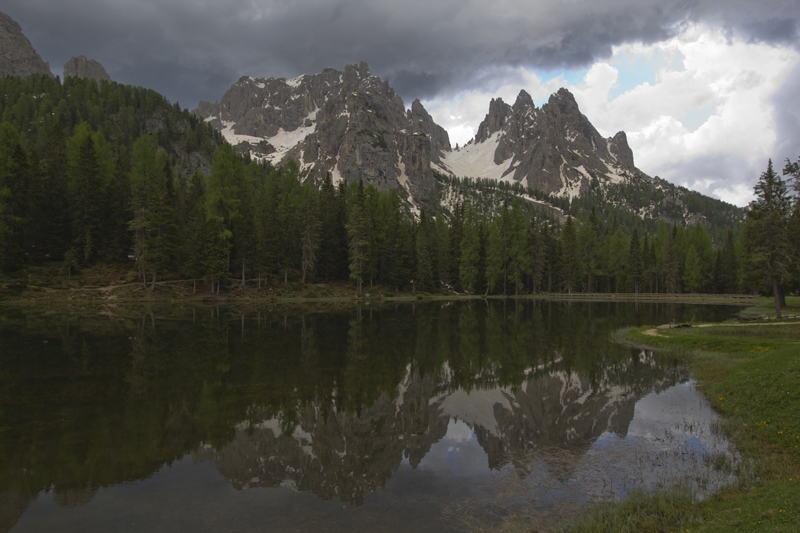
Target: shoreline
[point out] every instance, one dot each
(750, 376)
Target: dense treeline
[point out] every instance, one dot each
(93, 173)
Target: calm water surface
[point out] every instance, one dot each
(433, 417)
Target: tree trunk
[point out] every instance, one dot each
(259, 280)
(358, 288)
(777, 291)
(153, 285)
(285, 276)
(194, 286)
(243, 272)
(218, 295)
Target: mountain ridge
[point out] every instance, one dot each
(554, 148)
(17, 55)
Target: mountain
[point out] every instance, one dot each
(554, 149)
(80, 67)
(17, 56)
(353, 125)
(348, 123)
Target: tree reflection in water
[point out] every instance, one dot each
(329, 402)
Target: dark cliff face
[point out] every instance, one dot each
(349, 124)
(17, 56)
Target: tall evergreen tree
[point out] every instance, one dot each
(357, 233)
(14, 185)
(309, 233)
(728, 266)
(86, 195)
(635, 266)
(589, 242)
(570, 258)
(519, 255)
(470, 251)
(767, 230)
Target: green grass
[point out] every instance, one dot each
(751, 376)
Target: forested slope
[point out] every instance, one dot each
(102, 173)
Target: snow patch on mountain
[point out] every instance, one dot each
(476, 160)
(476, 408)
(233, 138)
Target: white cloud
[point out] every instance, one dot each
(706, 120)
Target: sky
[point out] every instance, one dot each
(706, 90)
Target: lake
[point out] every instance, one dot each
(439, 416)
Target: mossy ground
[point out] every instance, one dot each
(751, 375)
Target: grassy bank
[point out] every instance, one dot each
(750, 373)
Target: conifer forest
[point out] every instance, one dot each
(103, 173)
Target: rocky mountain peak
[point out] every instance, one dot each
(494, 121)
(618, 147)
(81, 67)
(554, 149)
(524, 101)
(564, 102)
(422, 122)
(17, 56)
(354, 74)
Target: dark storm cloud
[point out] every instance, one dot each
(193, 49)
(787, 119)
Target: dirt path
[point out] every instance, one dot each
(654, 331)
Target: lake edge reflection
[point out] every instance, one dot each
(341, 390)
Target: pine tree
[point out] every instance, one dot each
(537, 250)
(728, 266)
(470, 251)
(194, 231)
(635, 266)
(162, 240)
(497, 254)
(357, 234)
(767, 229)
(49, 225)
(333, 249)
(792, 169)
(456, 236)
(87, 187)
(444, 256)
(570, 259)
(671, 268)
(14, 185)
(692, 271)
(425, 264)
(589, 238)
(519, 255)
(309, 233)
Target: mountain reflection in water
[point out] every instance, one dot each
(433, 403)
